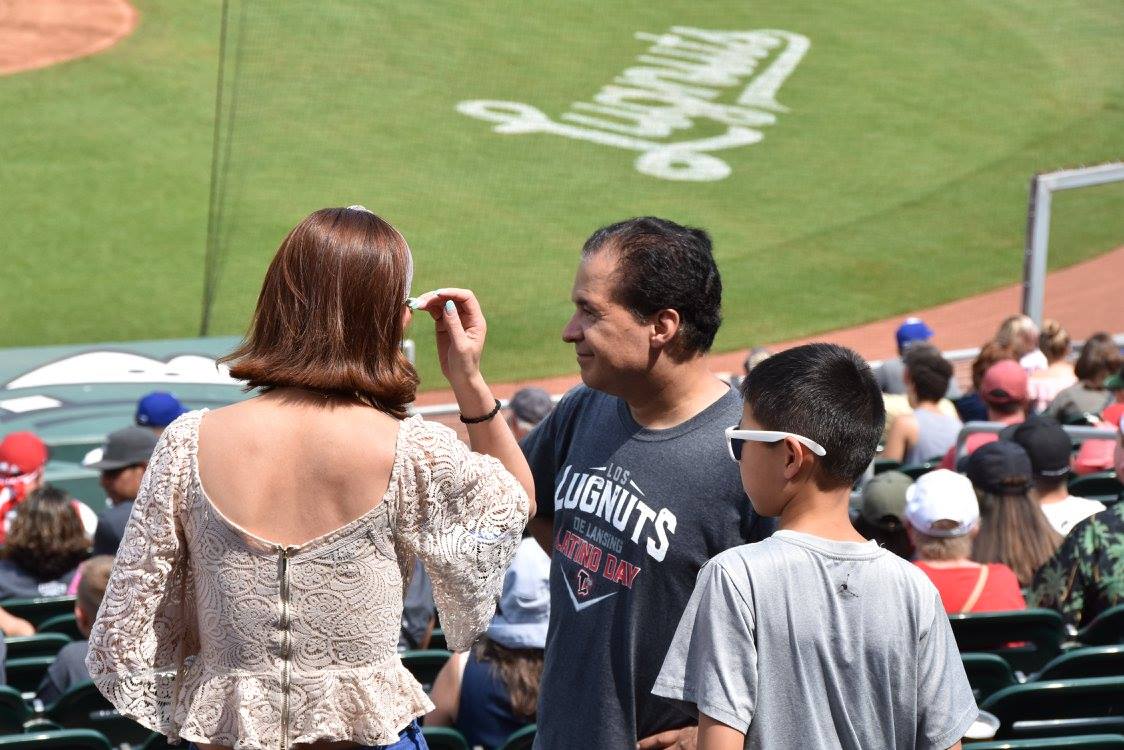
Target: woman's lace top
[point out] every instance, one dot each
(214, 635)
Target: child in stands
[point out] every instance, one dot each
(69, 667)
(814, 637)
(943, 518)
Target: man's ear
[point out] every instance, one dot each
(665, 325)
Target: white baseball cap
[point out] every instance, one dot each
(942, 495)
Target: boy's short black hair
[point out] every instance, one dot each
(824, 392)
(929, 372)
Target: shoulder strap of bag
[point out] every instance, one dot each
(975, 595)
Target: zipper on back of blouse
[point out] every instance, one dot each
(285, 643)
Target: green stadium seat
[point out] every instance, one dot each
(1038, 631)
(65, 624)
(1088, 742)
(26, 672)
(437, 639)
(424, 664)
(1059, 708)
(84, 707)
(1106, 628)
(987, 674)
(41, 644)
(13, 710)
(913, 471)
(885, 464)
(36, 611)
(62, 739)
(1081, 663)
(71, 450)
(1103, 486)
(444, 738)
(521, 740)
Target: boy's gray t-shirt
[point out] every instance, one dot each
(803, 642)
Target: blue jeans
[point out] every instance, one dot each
(410, 738)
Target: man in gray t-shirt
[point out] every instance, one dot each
(846, 627)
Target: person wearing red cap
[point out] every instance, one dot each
(23, 457)
(1004, 391)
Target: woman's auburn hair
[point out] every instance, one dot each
(329, 315)
(520, 671)
(47, 538)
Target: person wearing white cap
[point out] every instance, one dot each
(493, 690)
(942, 518)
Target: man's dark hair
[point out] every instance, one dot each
(663, 265)
(929, 371)
(824, 392)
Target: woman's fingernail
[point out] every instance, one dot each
(450, 308)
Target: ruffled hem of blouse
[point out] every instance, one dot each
(368, 705)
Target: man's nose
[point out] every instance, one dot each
(572, 332)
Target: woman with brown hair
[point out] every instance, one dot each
(1099, 358)
(44, 546)
(1013, 529)
(492, 691)
(256, 599)
(971, 407)
(1044, 385)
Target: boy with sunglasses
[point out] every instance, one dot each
(814, 637)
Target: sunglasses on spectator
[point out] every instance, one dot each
(737, 438)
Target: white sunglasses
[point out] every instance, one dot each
(736, 438)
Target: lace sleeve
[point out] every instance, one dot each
(463, 514)
(144, 626)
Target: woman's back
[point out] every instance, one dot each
(288, 470)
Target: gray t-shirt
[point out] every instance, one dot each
(803, 642)
(936, 433)
(637, 513)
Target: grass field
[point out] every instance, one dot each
(897, 179)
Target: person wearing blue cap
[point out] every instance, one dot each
(157, 410)
(891, 375)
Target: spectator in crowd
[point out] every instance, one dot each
(1050, 449)
(319, 493)
(756, 356)
(44, 546)
(1086, 576)
(1003, 389)
(124, 459)
(635, 499)
(1087, 398)
(69, 666)
(23, 463)
(891, 374)
(529, 406)
(881, 515)
(943, 515)
(1044, 385)
(754, 655)
(1013, 529)
(157, 410)
(972, 407)
(492, 691)
(1114, 384)
(1019, 333)
(927, 432)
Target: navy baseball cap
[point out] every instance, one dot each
(912, 331)
(158, 409)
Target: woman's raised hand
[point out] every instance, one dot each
(460, 329)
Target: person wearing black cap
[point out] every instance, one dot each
(124, 459)
(1049, 449)
(1013, 529)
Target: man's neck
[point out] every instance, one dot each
(672, 393)
(821, 513)
(1056, 495)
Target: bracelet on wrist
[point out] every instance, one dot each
(485, 418)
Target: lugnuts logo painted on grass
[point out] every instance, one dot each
(687, 75)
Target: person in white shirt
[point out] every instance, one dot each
(1021, 334)
(1049, 449)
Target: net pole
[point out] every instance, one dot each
(211, 248)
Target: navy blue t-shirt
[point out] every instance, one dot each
(637, 513)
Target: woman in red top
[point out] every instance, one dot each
(942, 516)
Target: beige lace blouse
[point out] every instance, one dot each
(211, 634)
